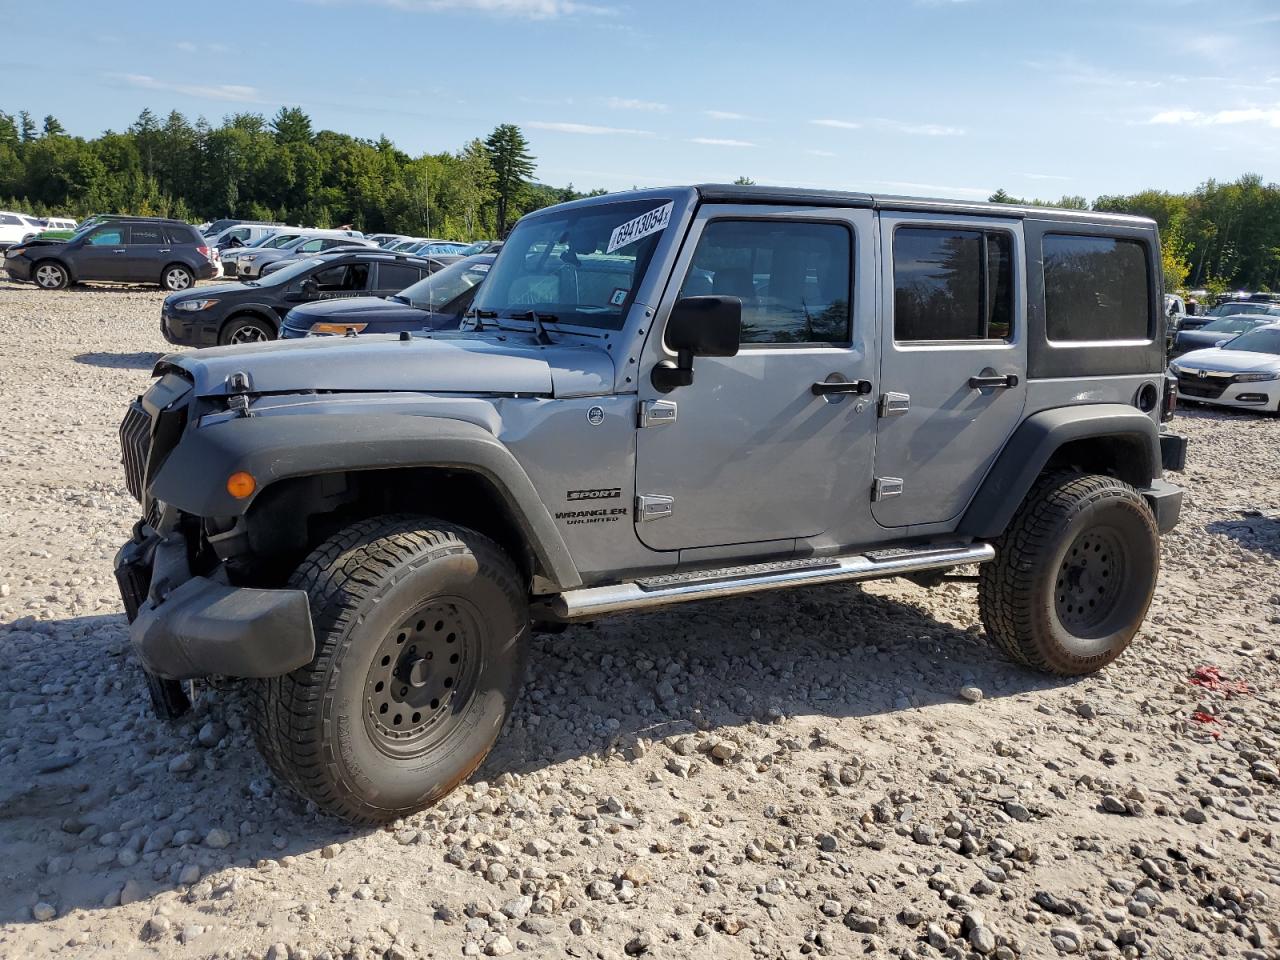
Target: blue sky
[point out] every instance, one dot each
(941, 97)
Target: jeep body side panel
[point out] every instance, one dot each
(1047, 358)
(273, 448)
(1035, 442)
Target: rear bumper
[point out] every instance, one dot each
(1165, 501)
(1173, 451)
(206, 628)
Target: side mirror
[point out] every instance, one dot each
(1222, 343)
(310, 288)
(698, 327)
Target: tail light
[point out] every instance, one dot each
(205, 252)
(1170, 401)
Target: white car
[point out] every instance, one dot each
(1242, 372)
(16, 227)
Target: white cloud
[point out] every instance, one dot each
(720, 142)
(918, 129)
(1268, 116)
(186, 46)
(726, 115)
(627, 103)
(837, 124)
(233, 92)
(525, 9)
(935, 189)
(559, 126)
(1044, 176)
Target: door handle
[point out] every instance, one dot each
(164, 249)
(824, 387)
(1007, 380)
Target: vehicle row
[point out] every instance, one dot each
(20, 227)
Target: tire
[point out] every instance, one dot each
(176, 277)
(50, 275)
(373, 729)
(246, 329)
(1042, 604)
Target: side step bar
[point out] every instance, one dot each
(659, 591)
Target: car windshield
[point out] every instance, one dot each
(278, 240)
(285, 274)
(1235, 324)
(444, 286)
(576, 266)
(1261, 340)
(479, 246)
(1227, 309)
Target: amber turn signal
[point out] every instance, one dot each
(336, 329)
(241, 485)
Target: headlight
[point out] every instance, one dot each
(1255, 377)
(15, 251)
(251, 259)
(336, 329)
(193, 305)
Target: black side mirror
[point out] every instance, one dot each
(698, 327)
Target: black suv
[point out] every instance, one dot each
(170, 253)
(251, 312)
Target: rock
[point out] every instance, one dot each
(1194, 815)
(182, 763)
(1017, 811)
(278, 951)
(44, 911)
(971, 694)
(131, 892)
(210, 734)
(499, 946)
(639, 945)
(157, 927)
(189, 875)
(982, 940)
(1113, 804)
(217, 839)
(518, 908)
(330, 850)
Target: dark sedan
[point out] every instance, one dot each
(436, 303)
(1216, 331)
(251, 312)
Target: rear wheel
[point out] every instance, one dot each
(1073, 576)
(176, 277)
(421, 633)
(50, 275)
(246, 329)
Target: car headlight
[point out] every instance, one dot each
(1255, 377)
(192, 306)
(251, 259)
(15, 251)
(336, 329)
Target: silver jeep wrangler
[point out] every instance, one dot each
(659, 396)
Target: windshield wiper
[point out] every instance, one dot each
(397, 298)
(479, 316)
(540, 332)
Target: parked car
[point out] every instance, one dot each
(170, 253)
(1232, 308)
(309, 242)
(368, 528)
(436, 302)
(1244, 372)
(407, 244)
(220, 226)
(481, 246)
(232, 256)
(242, 235)
(52, 228)
(252, 312)
(340, 245)
(1215, 331)
(386, 240)
(438, 248)
(16, 227)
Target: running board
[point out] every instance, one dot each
(753, 578)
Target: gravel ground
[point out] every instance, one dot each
(834, 772)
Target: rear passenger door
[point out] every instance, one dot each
(149, 247)
(953, 361)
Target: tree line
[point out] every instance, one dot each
(276, 170)
(1221, 236)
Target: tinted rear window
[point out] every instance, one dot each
(1096, 288)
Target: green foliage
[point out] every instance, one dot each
(744, 182)
(280, 169)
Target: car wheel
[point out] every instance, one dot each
(246, 330)
(176, 277)
(1073, 575)
(421, 633)
(50, 276)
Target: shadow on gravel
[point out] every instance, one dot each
(835, 652)
(1253, 531)
(143, 360)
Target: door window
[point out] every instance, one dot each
(151, 236)
(951, 285)
(354, 276)
(1096, 288)
(793, 278)
(107, 237)
(397, 276)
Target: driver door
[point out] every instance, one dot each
(104, 254)
(749, 453)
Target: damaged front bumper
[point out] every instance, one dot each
(184, 626)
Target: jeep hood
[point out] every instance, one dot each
(507, 363)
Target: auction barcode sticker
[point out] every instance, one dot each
(639, 228)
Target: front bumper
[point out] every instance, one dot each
(18, 268)
(1256, 395)
(189, 328)
(204, 627)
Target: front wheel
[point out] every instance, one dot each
(421, 634)
(51, 276)
(246, 330)
(1073, 575)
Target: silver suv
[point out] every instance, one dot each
(659, 396)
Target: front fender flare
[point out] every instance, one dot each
(194, 476)
(1036, 440)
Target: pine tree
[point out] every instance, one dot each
(28, 126)
(512, 164)
(52, 128)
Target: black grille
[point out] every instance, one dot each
(135, 446)
(1209, 387)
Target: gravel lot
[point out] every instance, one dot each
(840, 771)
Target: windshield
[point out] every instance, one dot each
(276, 241)
(285, 274)
(445, 286)
(1261, 340)
(579, 266)
(1227, 309)
(1231, 325)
